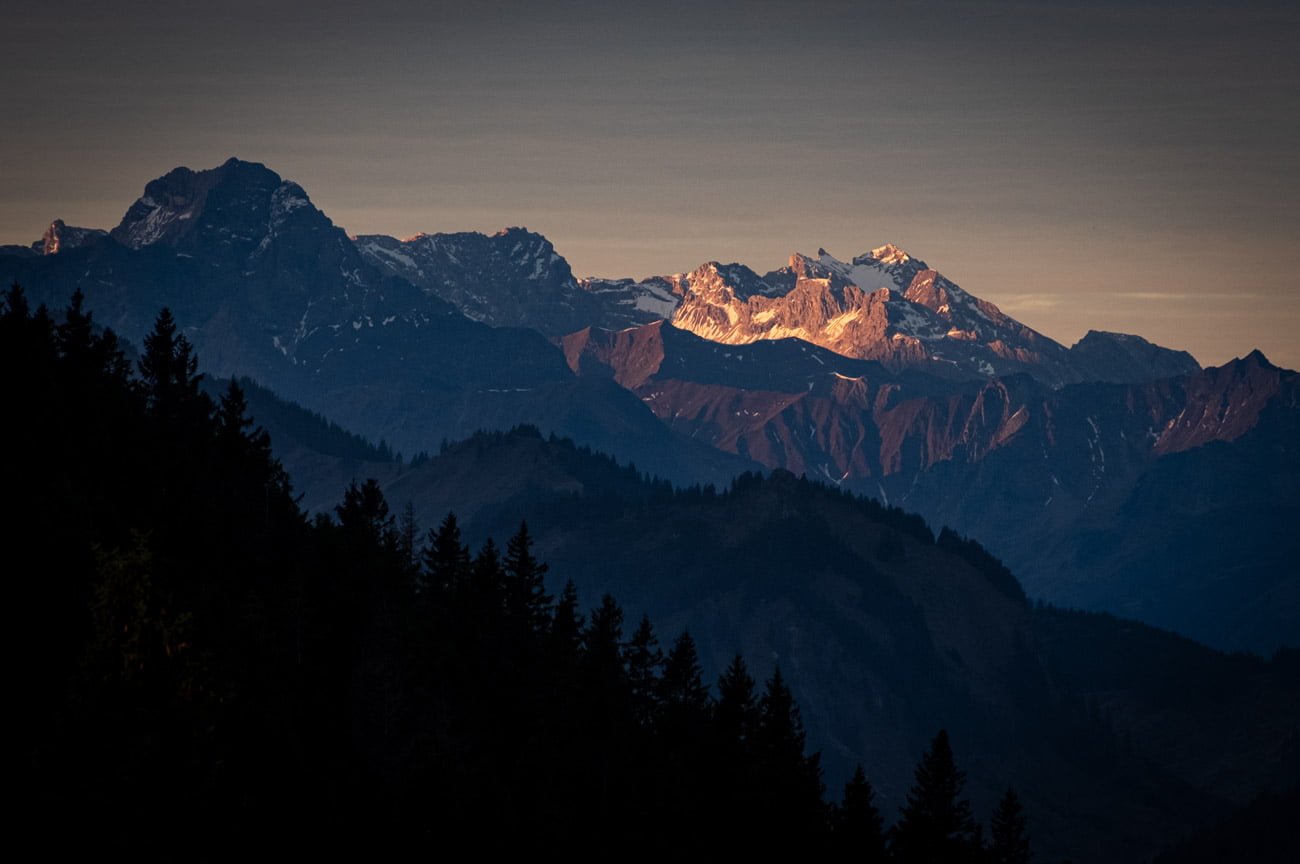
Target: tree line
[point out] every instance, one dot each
(207, 667)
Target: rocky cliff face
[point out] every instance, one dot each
(792, 406)
(1225, 403)
(513, 278)
(60, 237)
(227, 206)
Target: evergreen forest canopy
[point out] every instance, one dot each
(209, 667)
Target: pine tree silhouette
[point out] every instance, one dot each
(1009, 842)
(936, 825)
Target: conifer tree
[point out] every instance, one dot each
(233, 420)
(792, 780)
(91, 356)
(445, 559)
(603, 641)
(1009, 841)
(605, 708)
(526, 598)
(364, 515)
(487, 564)
(170, 377)
(247, 447)
(736, 712)
(605, 694)
(565, 635)
(936, 825)
(680, 768)
(859, 832)
(780, 733)
(408, 530)
(683, 690)
(737, 780)
(644, 663)
(485, 591)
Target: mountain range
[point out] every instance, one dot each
(879, 375)
(1114, 476)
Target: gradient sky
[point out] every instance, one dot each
(1095, 165)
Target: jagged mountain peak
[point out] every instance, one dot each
(890, 254)
(1256, 358)
(892, 260)
(821, 267)
(865, 271)
(1225, 402)
(237, 250)
(892, 308)
(902, 314)
(234, 163)
(514, 231)
(526, 244)
(737, 278)
(60, 237)
(824, 270)
(885, 305)
(511, 278)
(235, 205)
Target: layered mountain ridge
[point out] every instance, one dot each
(1035, 472)
(1115, 475)
(878, 373)
(883, 629)
(884, 305)
(266, 286)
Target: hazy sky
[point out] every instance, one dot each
(1105, 165)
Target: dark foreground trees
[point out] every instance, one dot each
(210, 669)
(936, 825)
(1008, 841)
(858, 827)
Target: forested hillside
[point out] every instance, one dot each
(209, 661)
(209, 669)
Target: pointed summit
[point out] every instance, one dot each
(890, 254)
(1257, 358)
(1223, 402)
(184, 207)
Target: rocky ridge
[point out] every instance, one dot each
(887, 306)
(884, 305)
(513, 278)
